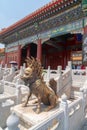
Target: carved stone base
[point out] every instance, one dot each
(29, 117)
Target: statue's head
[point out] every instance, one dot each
(33, 70)
(28, 73)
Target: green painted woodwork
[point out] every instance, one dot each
(85, 22)
(64, 29)
(84, 5)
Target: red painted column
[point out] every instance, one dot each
(39, 50)
(19, 56)
(5, 58)
(28, 51)
(85, 30)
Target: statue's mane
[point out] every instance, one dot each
(36, 66)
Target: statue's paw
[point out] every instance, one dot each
(24, 105)
(46, 109)
(38, 111)
(35, 102)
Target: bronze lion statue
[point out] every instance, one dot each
(33, 78)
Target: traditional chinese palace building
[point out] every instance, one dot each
(55, 34)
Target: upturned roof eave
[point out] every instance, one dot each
(28, 17)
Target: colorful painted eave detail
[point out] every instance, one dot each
(84, 5)
(64, 29)
(32, 15)
(52, 33)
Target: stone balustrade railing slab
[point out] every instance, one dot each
(61, 117)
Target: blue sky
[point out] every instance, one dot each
(13, 10)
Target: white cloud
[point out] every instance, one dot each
(2, 45)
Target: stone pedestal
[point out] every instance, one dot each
(28, 116)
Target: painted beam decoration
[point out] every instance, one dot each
(84, 45)
(84, 49)
(84, 5)
(11, 49)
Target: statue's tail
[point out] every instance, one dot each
(53, 85)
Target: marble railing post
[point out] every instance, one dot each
(67, 67)
(18, 92)
(1, 128)
(70, 67)
(12, 122)
(21, 70)
(64, 106)
(48, 74)
(12, 69)
(1, 72)
(70, 64)
(5, 66)
(2, 87)
(59, 82)
(86, 71)
(59, 70)
(24, 66)
(0, 67)
(83, 94)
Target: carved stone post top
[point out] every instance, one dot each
(83, 90)
(5, 65)
(21, 70)
(83, 93)
(1, 128)
(64, 97)
(24, 65)
(12, 122)
(1, 86)
(64, 103)
(48, 67)
(59, 67)
(59, 70)
(70, 64)
(17, 82)
(48, 73)
(67, 67)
